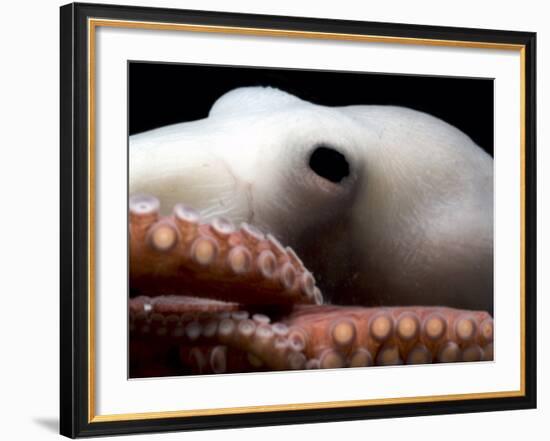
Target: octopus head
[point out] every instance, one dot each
(261, 156)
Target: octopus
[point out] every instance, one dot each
(367, 261)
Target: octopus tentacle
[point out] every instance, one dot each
(339, 336)
(179, 254)
(227, 339)
(262, 343)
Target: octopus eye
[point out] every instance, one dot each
(329, 164)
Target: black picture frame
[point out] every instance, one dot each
(77, 418)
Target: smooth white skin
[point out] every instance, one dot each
(411, 224)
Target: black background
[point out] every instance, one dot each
(166, 93)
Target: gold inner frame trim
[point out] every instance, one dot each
(263, 32)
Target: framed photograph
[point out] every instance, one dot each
(272, 220)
